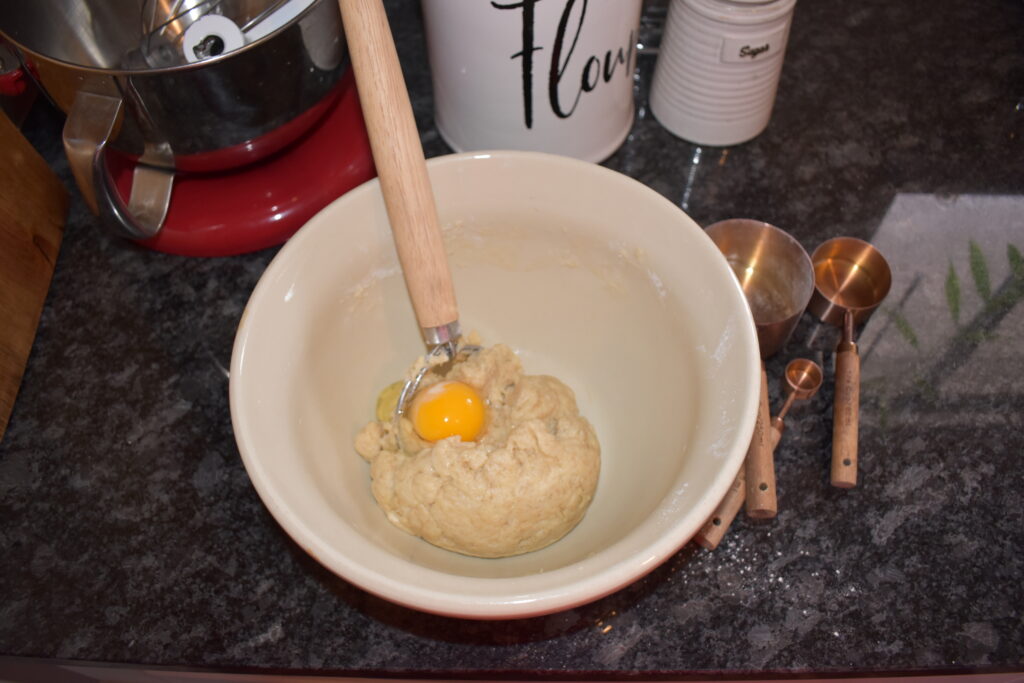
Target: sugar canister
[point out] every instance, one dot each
(718, 68)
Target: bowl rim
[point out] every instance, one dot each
(506, 598)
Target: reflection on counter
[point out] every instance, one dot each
(958, 280)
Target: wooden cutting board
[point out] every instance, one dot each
(33, 208)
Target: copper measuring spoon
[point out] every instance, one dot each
(801, 380)
(851, 278)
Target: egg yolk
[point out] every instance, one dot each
(447, 409)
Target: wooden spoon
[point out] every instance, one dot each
(402, 169)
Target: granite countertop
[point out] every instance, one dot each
(131, 533)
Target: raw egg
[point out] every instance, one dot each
(448, 408)
(387, 401)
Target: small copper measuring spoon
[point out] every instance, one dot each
(801, 380)
(851, 278)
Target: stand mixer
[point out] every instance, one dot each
(199, 127)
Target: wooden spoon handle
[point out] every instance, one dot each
(711, 534)
(760, 463)
(845, 416)
(401, 167)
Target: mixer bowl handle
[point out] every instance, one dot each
(91, 123)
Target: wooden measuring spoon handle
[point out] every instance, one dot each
(401, 167)
(760, 464)
(711, 534)
(845, 416)
(775, 433)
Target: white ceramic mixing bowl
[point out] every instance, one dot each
(589, 276)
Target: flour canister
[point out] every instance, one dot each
(554, 76)
(718, 68)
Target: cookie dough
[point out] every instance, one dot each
(522, 485)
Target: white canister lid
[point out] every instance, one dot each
(742, 11)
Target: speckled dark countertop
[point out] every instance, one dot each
(131, 534)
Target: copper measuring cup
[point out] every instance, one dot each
(801, 380)
(777, 278)
(851, 278)
(775, 273)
